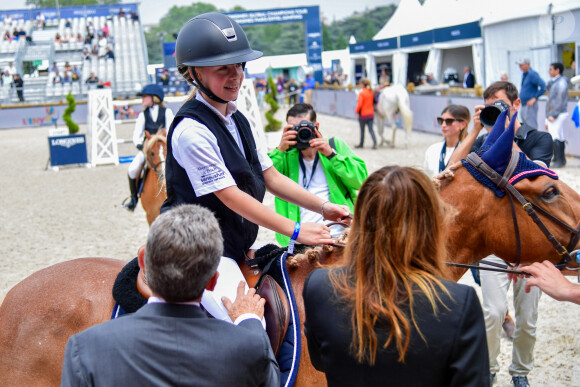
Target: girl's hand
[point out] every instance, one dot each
(336, 213)
(314, 234)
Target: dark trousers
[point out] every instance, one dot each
(369, 124)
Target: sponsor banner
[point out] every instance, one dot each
(417, 39)
(463, 31)
(65, 150)
(373, 45)
(70, 12)
(310, 16)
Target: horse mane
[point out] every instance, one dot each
(152, 140)
(319, 256)
(445, 177)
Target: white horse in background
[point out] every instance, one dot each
(392, 100)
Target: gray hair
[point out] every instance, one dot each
(183, 250)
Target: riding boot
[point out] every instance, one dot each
(559, 159)
(131, 202)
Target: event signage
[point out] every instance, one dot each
(69, 12)
(64, 150)
(373, 45)
(417, 39)
(462, 31)
(310, 16)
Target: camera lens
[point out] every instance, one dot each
(304, 134)
(489, 115)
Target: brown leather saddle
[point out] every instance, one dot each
(276, 310)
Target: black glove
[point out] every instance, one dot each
(140, 147)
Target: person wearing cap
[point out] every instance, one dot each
(531, 89)
(213, 160)
(557, 112)
(153, 118)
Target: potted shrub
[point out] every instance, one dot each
(71, 148)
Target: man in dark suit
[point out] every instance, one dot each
(468, 78)
(170, 341)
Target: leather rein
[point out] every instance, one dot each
(502, 182)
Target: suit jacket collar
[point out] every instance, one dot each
(171, 310)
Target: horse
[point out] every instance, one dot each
(153, 193)
(392, 100)
(33, 331)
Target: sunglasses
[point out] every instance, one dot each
(448, 121)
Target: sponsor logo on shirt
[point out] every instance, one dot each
(211, 174)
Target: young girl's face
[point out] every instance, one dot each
(224, 81)
(147, 101)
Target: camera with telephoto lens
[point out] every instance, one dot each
(489, 113)
(305, 131)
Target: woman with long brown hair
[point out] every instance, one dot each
(389, 316)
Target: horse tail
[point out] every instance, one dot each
(404, 105)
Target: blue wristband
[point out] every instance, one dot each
(296, 231)
(293, 239)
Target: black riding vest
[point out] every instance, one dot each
(153, 126)
(239, 234)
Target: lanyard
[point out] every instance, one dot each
(306, 183)
(442, 164)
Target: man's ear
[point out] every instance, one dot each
(517, 104)
(141, 258)
(212, 282)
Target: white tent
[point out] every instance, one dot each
(532, 29)
(411, 18)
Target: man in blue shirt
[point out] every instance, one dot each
(532, 88)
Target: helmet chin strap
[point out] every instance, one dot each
(197, 83)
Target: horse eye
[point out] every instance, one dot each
(550, 193)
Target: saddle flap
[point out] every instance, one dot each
(276, 311)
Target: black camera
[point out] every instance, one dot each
(489, 113)
(306, 131)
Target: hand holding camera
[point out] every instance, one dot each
(303, 136)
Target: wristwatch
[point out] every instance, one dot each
(331, 155)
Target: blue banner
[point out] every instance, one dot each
(462, 31)
(70, 149)
(70, 12)
(418, 39)
(312, 29)
(373, 45)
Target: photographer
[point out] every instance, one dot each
(333, 173)
(537, 146)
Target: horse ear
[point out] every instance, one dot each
(164, 132)
(147, 135)
(498, 156)
(497, 130)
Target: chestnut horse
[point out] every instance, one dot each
(153, 193)
(34, 329)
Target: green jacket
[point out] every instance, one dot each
(344, 173)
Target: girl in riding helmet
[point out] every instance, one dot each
(212, 158)
(155, 117)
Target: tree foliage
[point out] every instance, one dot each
(72, 126)
(271, 39)
(271, 98)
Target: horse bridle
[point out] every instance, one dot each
(502, 182)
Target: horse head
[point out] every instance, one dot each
(155, 150)
(486, 221)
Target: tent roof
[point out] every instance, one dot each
(402, 22)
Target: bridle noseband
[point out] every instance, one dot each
(502, 182)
